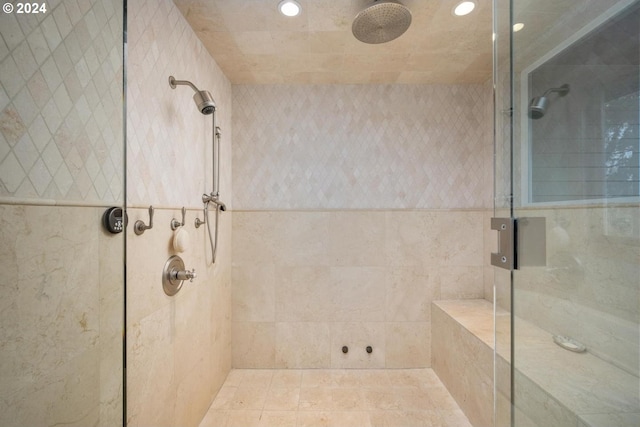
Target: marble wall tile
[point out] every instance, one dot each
(435, 237)
(303, 344)
(254, 344)
(112, 291)
(204, 352)
(282, 237)
(179, 347)
(461, 282)
(165, 131)
(62, 134)
(410, 292)
(464, 364)
(408, 344)
(61, 323)
(254, 293)
(375, 285)
(356, 238)
(152, 385)
(329, 136)
(357, 336)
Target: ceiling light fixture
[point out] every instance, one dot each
(517, 27)
(464, 8)
(289, 7)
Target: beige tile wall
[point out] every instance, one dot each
(307, 283)
(61, 103)
(356, 206)
(362, 146)
(61, 142)
(463, 358)
(168, 140)
(61, 317)
(178, 348)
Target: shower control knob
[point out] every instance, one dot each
(185, 274)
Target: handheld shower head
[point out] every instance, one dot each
(202, 98)
(538, 105)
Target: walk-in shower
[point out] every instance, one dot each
(206, 105)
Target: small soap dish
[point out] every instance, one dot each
(569, 344)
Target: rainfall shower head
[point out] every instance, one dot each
(202, 98)
(538, 105)
(383, 21)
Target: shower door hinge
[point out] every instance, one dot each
(506, 255)
(521, 242)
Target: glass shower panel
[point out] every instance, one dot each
(502, 207)
(61, 166)
(574, 141)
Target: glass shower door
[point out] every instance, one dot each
(567, 128)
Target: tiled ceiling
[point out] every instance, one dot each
(254, 44)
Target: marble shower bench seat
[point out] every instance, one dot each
(555, 387)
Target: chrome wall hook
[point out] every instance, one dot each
(198, 222)
(140, 227)
(175, 223)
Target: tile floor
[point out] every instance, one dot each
(337, 398)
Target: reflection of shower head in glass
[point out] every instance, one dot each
(538, 105)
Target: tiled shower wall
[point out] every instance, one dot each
(354, 208)
(61, 142)
(360, 147)
(61, 103)
(179, 347)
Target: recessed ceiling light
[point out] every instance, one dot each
(517, 27)
(464, 8)
(289, 7)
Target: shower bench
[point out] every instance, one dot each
(554, 386)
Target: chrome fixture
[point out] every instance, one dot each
(210, 198)
(207, 105)
(521, 242)
(140, 227)
(381, 22)
(212, 240)
(198, 222)
(538, 105)
(175, 223)
(214, 196)
(174, 274)
(202, 98)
